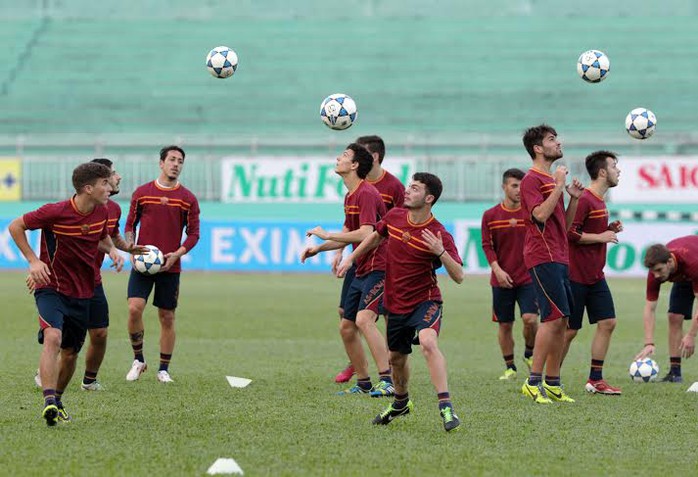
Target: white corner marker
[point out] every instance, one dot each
(225, 466)
(693, 388)
(238, 382)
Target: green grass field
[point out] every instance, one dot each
(280, 331)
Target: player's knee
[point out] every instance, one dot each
(570, 334)
(365, 321)
(136, 308)
(167, 317)
(675, 320)
(428, 342)
(68, 356)
(607, 325)
(397, 360)
(98, 336)
(52, 339)
(506, 327)
(529, 319)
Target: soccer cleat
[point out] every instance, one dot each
(345, 375)
(528, 362)
(537, 393)
(556, 393)
(672, 378)
(94, 386)
(137, 368)
(451, 421)
(383, 388)
(63, 415)
(390, 413)
(601, 387)
(356, 389)
(50, 414)
(508, 374)
(164, 377)
(37, 379)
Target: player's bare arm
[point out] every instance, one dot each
(107, 246)
(38, 270)
(608, 236)
(436, 246)
(172, 257)
(355, 236)
(337, 258)
(543, 211)
(128, 247)
(369, 243)
(575, 191)
(323, 247)
(649, 316)
(688, 342)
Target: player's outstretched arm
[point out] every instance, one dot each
(649, 316)
(346, 237)
(128, 247)
(38, 270)
(372, 241)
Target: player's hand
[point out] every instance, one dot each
(504, 279)
(575, 189)
(307, 253)
(170, 259)
(608, 236)
(560, 176)
(117, 261)
(616, 226)
(319, 232)
(40, 272)
(434, 242)
(31, 284)
(687, 346)
(134, 249)
(336, 260)
(648, 350)
(344, 267)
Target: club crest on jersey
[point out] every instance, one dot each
(512, 222)
(84, 229)
(406, 237)
(164, 200)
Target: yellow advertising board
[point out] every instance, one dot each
(10, 179)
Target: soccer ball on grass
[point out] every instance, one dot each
(644, 370)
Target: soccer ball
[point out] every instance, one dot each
(338, 111)
(593, 66)
(221, 62)
(644, 370)
(149, 263)
(640, 123)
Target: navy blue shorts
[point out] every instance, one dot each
(402, 328)
(99, 310)
(681, 299)
(348, 278)
(365, 293)
(166, 288)
(597, 300)
(504, 302)
(67, 314)
(553, 292)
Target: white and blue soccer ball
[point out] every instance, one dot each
(640, 123)
(221, 62)
(338, 111)
(644, 370)
(149, 263)
(593, 66)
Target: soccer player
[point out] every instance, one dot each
(503, 233)
(72, 233)
(417, 244)
(363, 207)
(675, 262)
(162, 209)
(588, 236)
(546, 255)
(392, 192)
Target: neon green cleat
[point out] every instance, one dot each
(390, 413)
(508, 374)
(537, 393)
(50, 414)
(356, 389)
(63, 415)
(383, 389)
(528, 362)
(451, 421)
(556, 393)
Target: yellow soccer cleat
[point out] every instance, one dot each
(508, 374)
(537, 393)
(556, 393)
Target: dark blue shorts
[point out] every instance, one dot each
(348, 278)
(67, 314)
(99, 310)
(504, 302)
(553, 292)
(681, 299)
(597, 300)
(166, 288)
(402, 328)
(365, 293)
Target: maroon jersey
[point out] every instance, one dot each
(685, 253)
(163, 214)
(391, 190)
(364, 206)
(112, 231)
(587, 261)
(546, 242)
(410, 274)
(69, 245)
(503, 235)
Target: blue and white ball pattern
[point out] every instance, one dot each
(593, 66)
(644, 370)
(221, 62)
(149, 263)
(338, 111)
(640, 123)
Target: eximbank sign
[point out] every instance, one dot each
(292, 179)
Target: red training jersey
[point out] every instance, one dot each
(545, 242)
(410, 274)
(587, 260)
(69, 245)
(163, 214)
(685, 253)
(112, 230)
(364, 206)
(503, 234)
(392, 191)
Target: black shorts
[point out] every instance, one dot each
(597, 300)
(681, 299)
(553, 292)
(402, 328)
(166, 288)
(365, 293)
(348, 278)
(99, 310)
(64, 313)
(504, 302)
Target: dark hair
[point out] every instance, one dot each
(166, 149)
(534, 137)
(374, 144)
(104, 161)
(655, 254)
(363, 157)
(512, 173)
(88, 174)
(431, 182)
(597, 161)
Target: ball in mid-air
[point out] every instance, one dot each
(338, 111)
(640, 123)
(221, 62)
(593, 66)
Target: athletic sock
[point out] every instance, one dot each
(675, 363)
(365, 383)
(528, 352)
(596, 372)
(165, 361)
(534, 379)
(444, 400)
(509, 361)
(49, 397)
(400, 401)
(386, 376)
(552, 380)
(89, 378)
(137, 345)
